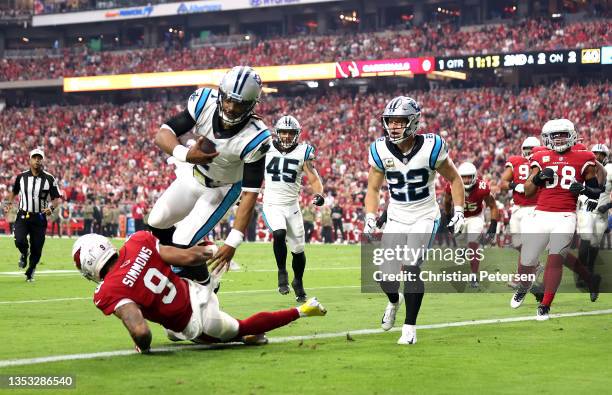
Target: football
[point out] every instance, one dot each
(210, 247)
(206, 146)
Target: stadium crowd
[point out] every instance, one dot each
(106, 152)
(429, 39)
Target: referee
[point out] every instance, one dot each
(34, 187)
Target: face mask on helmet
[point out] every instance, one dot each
(239, 92)
(559, 141)
(286, 138)
(528, 145)
(559, 135)
(400, 119)
(469, 181)
(468, 174)
(287, 131)
(232, 111)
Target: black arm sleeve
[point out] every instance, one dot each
(253, 174)
(16, 186)
(181, 123)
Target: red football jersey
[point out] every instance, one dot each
(141, 276)
(569, 167)
(520, 171)
(474, 199)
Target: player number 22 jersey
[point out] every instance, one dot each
(410, 176)
(284, 173)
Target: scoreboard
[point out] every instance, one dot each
(520, 59)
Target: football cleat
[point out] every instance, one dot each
(408, 335)
(518, 298)
(255, 340)
(543, 312)
(283, 282)
(474, 284)
(594, 289)
(298, 288)
(23, 261)
(312, 308)
(388, 319)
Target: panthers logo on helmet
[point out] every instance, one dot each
(257, 79)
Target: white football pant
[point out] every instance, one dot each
(194, 208)
(544, 228)
(288, 218)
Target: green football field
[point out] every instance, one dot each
(481, 345)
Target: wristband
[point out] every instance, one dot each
(235, 238)
(458, 209)
(370, 216)
(180, 152)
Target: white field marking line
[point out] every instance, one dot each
(64, 272)
(286, 339)
(251, 291)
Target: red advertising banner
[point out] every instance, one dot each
(371, 68)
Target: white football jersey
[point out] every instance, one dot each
(247, 145)
(604, 198)
(284, 172)
(410, 177)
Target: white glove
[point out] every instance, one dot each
(370, 224)
(457, 223)
(519, 188)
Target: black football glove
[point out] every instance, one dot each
(490, 235)
(318, 200)
(591, 205)
(576, 188)
(381, 220)
(543, 176)
(604, 208)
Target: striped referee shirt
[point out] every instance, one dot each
(34, 190)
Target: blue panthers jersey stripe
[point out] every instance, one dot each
(435, 152)
(255, 142)
(228, 201)
(309, 150)
(200, 105)
(376, 157)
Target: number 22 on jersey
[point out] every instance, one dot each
(416, 180)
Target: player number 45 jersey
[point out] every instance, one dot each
(410, 176)
(284, 173)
